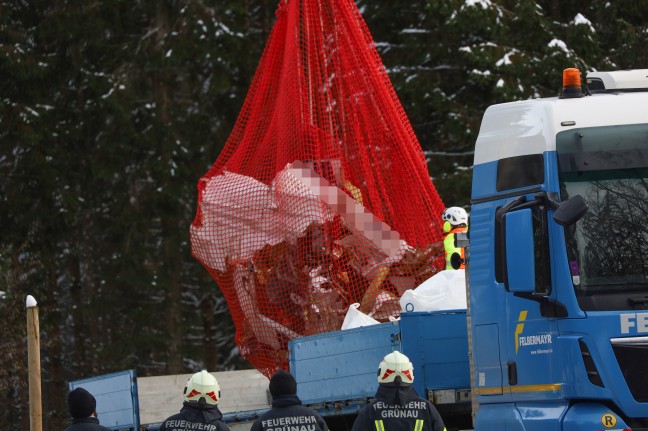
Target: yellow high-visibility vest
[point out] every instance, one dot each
(450, 247)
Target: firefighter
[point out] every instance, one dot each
(200, 406)
(287, 413)
(82, 406)
(455, 220)
(397, 406)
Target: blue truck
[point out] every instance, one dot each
(557, 264)
(558, 278)
(555, 336)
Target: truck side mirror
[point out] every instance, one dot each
(520, 256)
(570, 211)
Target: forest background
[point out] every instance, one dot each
(110, 112)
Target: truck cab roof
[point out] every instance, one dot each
(530, 126)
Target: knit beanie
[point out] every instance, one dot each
(81, 403)
(282, 383)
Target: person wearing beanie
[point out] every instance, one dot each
(287, 411)
(82, 406)
(200, 407)
(397, 406)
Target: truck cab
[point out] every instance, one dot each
(558, 259)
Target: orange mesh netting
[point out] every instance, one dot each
(321, 197)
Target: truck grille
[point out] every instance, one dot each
(632, 356)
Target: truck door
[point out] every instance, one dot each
(531, 325)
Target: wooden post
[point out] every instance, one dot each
(34, 366)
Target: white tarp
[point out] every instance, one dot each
(445, 290)
(356, 318)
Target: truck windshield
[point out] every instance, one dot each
(608, 248)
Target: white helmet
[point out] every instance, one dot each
(396, 365)
(456, 216)
(202, 388)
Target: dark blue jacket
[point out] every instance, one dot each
(398, 409)
(87, 424)
(288, 414)
(209, 416)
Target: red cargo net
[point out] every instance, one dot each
(321, 197)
